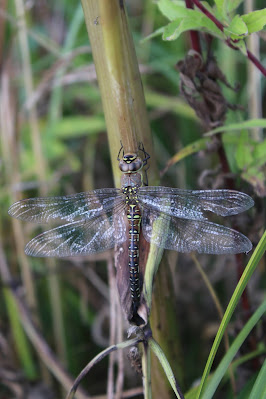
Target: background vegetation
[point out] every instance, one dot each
(53, 142)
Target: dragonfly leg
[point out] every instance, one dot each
(122, 148)
(146, 155)
(145, 160)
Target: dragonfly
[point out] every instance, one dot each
(171, 218)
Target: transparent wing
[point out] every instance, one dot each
(184, 235)
(81, 237)
(190, 204)
(69, 208)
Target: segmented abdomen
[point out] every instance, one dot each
(134, 219)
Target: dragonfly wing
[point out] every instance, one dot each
(191, 204)
(80, 237)
(185, 235)
(69, 208)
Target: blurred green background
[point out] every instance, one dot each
(54, 142)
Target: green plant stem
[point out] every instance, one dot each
(146, 371)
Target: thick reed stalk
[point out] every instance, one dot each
(126, 120)
(119, 79)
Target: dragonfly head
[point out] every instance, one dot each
(130, 163)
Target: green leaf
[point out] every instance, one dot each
(152, 264)
(250, 157)
(192, 393)
(184, 19)
(190, 149)
(224, 364)
(237, 28)
(231, 5)
(250, 124)
(249, 270)
(259, 389)
(197, 21)
(255, 20)
(171, 30)
(220, 4)
(157, 350)
(173, 11)
(225, 7)
(245, 391)
(209, 8)
(21, 343)
(156, 33)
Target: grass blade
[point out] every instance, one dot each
(259, 389)
(224, 364)
(157, 350)
(251, 266)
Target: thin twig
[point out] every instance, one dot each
(146, 367)
(112, 339)
(220, 26)
(96, 360)
(194, 35)
(254, 80)
(208, 14)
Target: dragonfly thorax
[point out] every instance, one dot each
(131, 181)
(131, 195)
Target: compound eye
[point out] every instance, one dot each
(124, 167)
(136, 165)
(132, 167)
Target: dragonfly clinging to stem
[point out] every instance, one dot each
(170, 218)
